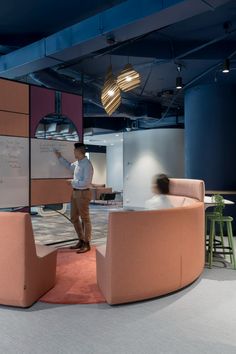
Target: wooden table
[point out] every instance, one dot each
(220, 192)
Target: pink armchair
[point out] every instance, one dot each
(27, 271)
(154, 252)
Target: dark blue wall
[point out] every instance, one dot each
(210, 135)
(210, 138)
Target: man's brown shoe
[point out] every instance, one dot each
(84, 248)
(77, 245)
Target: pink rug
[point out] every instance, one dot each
(75, 280)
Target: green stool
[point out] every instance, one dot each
(219, 215)
(212, 245)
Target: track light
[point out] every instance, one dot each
(226, 66)
(110, 97)
(179, 82)
(128, 79)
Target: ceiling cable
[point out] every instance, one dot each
(209, 5)
(146, 81)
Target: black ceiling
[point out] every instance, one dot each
(25, 21)
(198, 44)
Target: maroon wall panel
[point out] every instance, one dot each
(72, 108)
(42, 103)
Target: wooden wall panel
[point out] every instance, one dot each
(50, 191)
(14, 96)
(14, 124)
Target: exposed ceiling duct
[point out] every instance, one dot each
(154, 36)
(130, 19)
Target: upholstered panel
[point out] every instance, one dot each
(14, 124)
(50, 191)
(187, 187)
(146, 256)
(12, 252)
(25, 274)
(178, 201)
(192, 246)
(14, 96)
(154, 252)
(42, 103)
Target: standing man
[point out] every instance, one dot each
(81, 196)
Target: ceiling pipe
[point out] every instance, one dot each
(47, 78)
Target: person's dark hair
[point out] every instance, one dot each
(80, 146)
(162, 182)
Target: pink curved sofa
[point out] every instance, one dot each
(27, 271)
(154, 252)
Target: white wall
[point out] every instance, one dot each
(147, 153)
(98, 161)
(115, 167)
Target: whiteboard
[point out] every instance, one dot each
(14, 172)
(45, 164)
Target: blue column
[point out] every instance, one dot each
(210, 135)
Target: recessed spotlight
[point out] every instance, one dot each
(117, 135)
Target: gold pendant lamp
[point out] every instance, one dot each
(128, 79)
(110, 97)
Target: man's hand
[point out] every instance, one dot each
(57, 153)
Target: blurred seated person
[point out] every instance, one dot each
(160, 188)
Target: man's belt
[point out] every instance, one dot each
(86, 189)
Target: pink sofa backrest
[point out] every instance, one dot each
(150, 253)
(25, 275)
(154, 252)
(192, 188)
(14, 249)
